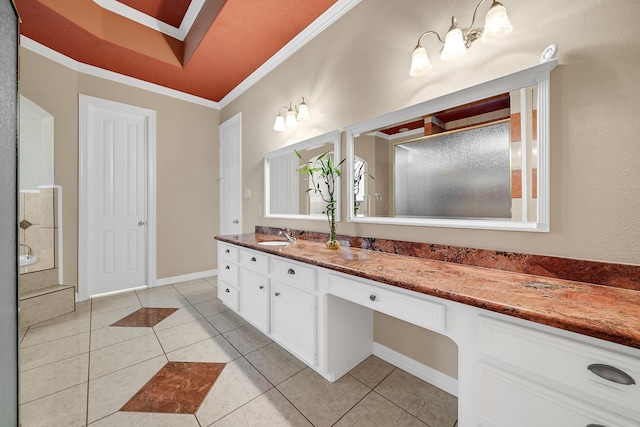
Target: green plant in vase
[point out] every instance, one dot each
(323, 173)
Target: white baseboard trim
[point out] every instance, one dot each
(417, 369)
(185, 277)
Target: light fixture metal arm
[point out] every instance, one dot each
(429, 32)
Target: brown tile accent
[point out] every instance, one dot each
(177, 388)
(146, 317)
(516, 184)
(515, 127)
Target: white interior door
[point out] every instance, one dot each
(231, 176)
(114, 148)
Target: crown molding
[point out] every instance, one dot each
(331, 15)
(81, 67)
(155, 24)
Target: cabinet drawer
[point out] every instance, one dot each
(413, 309)
(228, 295)
(228, 272)
(293, 273)
(562, 360)
(228, 252)
(254, 260)
(508, 400)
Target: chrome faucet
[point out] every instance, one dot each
(287, 234)
(28, 249)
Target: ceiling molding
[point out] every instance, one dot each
(331, 15)
(80, 67)
(155, 24)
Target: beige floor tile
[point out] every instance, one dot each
(375, 410)
(21, 333)
(65, 408)
(111, 335)
(107, 318)
(166, 302)
(124, 354)
(186, 334)
(193, 286)
(212, 280)
(275, 363)
(212, 350)
(52, 378)
(238, 384)
(53, 351)
(320, 401)
(372, 371)
(199, 297)
(54, 331)
(226, 321)
(138, 419)
(83, 309)
(116, 302)
(109, 393)
(180, 317)
(270, 409)
(421, 399)
(210, 308)
(247, 339)
(158, 291)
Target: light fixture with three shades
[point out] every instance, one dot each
(293, 114)
(457, 41)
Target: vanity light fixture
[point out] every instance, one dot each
(293, 114)
(457, 41)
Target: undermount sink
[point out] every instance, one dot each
(274, 243)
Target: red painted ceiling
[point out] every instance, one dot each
(228, 41)
(168, 11)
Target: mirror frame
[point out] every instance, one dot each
(537, 75)
(327, 138)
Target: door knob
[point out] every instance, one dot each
(140, 223)
(235, 221)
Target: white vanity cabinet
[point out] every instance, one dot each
(511, 372)
(531, 375)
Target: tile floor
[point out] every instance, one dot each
(78, 370)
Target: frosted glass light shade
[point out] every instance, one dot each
(454, 47)
(497, 23)
(279, 125)
(291, 118)
(303, 111)
(420, 63)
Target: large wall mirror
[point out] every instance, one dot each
(478, 158)
(286, 191)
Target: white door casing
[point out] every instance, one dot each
(231, 175)
(116, 247)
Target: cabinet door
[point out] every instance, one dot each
(254, 298)
(293, 321)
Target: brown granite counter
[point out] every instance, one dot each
(608, 313)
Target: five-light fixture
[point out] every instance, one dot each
(293, 114)
(457, 41)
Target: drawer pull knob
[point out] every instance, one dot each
(291, 271)
(253, 259)
(372, 297)
(226, 251)
(611, 373)
(227, 268)
(277, 294)
(595, 425)
(227, 290)
(261, 287)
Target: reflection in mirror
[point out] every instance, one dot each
(458, 161)
(286, 189)
(37, 201)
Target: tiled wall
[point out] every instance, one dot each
(37, 228)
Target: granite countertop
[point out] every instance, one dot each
(608, 313)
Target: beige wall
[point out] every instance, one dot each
(187, 163)
(358, 68)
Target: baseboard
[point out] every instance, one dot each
(417, 369)
(185, 277)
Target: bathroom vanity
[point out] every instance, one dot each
(532, 350)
